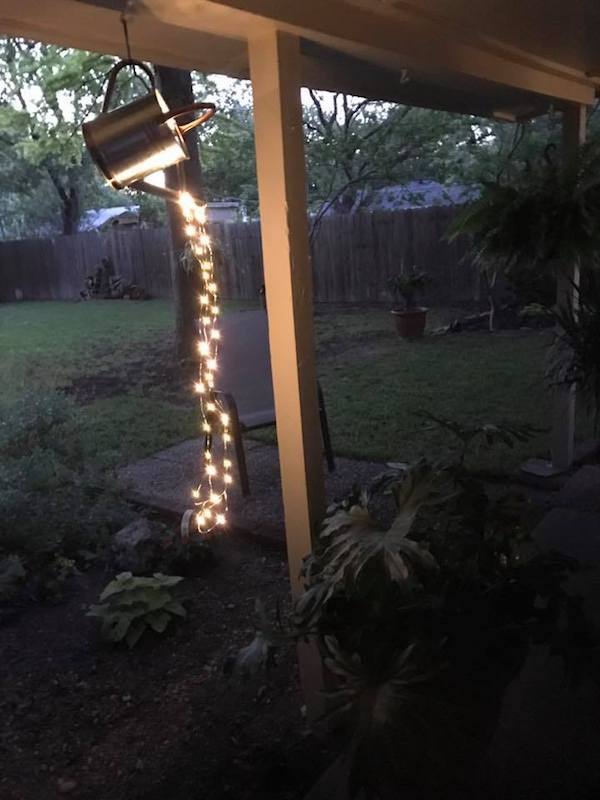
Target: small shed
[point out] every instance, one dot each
(224, 210)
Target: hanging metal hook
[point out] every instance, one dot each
(126, 15)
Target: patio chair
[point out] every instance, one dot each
(246, 387)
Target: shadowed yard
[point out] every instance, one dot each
(115, 359)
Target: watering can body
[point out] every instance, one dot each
(133, 141)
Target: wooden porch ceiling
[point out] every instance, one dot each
(396, 50)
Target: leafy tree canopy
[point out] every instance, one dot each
(352, 145)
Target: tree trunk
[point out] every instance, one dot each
(176, 88)
(70, 211)
(70, 207)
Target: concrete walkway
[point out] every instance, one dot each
(548, 739)
(165, 481)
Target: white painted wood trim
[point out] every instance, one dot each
(275, 73)
(563, 415)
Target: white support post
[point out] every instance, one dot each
(275, 73)
(563, 419)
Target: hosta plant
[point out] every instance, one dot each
(131, 605)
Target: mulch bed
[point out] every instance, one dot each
(83, 719)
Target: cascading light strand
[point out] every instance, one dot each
(210, 495)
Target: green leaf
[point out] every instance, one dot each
(158, 620)
(114, 629)
(121, 582)
(174, 607)
(167, 580)
(134, 633)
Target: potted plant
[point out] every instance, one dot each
(405, 288)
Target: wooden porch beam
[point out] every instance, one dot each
(413, 41)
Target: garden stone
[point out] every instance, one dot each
(139, 547)
(582, 490)
(144, 547)
(188, 557)
(574, 533)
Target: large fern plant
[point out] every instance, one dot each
(574, 357)
(546, 216)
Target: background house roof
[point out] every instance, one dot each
(419, 194)
(102, 218)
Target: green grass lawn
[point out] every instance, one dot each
(375, 383)
(114, 357)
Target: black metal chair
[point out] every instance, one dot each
(246, 387)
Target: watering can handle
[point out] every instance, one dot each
(112, 78)
(209, 111)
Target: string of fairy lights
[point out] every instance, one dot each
(210, 495)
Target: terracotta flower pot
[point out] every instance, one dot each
(410, 324)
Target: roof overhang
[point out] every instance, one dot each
(362, 47)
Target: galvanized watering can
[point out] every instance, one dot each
(138, 139)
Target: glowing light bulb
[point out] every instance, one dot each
(205, 496)
(186, 202)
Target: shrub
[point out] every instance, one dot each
(422, 621)
(130, 605)
(53, 504)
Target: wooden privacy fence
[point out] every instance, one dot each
(353, 258)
